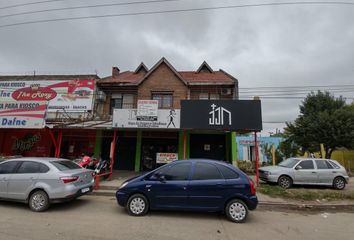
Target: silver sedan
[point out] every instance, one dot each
(42, 181)
(303, 171)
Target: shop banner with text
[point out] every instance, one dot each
(22, 114)
(127, 118)
(166, 157)
(242, 115)
(68, 95)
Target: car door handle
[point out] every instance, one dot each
(334, 172)
(184, 188)
(313, 172)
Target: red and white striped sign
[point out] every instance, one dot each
(22, 114)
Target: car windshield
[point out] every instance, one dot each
(65, 165)
(289, 163)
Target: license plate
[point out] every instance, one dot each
(85, 190)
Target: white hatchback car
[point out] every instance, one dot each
(310, 171)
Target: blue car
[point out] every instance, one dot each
(195, 185)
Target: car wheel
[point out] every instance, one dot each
(339, 183)
(285, 182)
(38, 201)
(137, 205)
(236, 211)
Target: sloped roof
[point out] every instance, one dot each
(187, 77)
(204, 66)
(163, 61)
(216, 77)
(141, 67)
(124, 78)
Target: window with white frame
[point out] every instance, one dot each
(165, 99)
(122, 100)
(209, 96)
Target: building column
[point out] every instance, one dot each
(233, 149)
(187, 144)
(138, 151)
(98, 144)
(180, 144)
(227, 147)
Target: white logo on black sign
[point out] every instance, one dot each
(218, 114)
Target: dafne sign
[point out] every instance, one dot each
(241, 115)
(22, 114)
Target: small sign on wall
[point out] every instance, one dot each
(147, 110)
(166, 157)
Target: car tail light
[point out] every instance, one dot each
(252, 187)
(69, 179)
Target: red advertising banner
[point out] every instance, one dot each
(22, 114)
(68, 95)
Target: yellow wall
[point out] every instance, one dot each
(346, 158)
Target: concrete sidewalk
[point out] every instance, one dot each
(109, 188)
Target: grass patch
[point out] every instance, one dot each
(305, 194)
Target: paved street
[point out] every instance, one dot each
(97, 217)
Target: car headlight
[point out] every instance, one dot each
(123, 185)
(266, 173)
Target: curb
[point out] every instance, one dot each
(307, 207)
(270, 205)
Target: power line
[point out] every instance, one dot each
(313, 86)
(176, 11)
(30, 3)
(299, 91)
(88, 6)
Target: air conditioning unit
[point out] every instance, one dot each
(101, 96)
(226, 91)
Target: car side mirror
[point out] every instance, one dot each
(298, 167)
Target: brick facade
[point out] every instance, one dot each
(163, 79)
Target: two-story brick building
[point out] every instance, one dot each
(138, 147)
(140, 119)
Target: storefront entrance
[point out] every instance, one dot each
(151, 147)
(125, 153)
(210, 146)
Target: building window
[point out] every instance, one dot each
(120, 101)
(214, 96)
(165, 99)
(209, 96)
(204, 96)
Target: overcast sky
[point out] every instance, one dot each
(269, 46)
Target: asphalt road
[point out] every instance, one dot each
(97, 217)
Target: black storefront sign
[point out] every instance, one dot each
(241, 115)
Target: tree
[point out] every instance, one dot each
(323, 119)
(288, 149)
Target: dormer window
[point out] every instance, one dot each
(204, 68)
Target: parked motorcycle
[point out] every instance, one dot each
(88, 162)
(103, 166)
